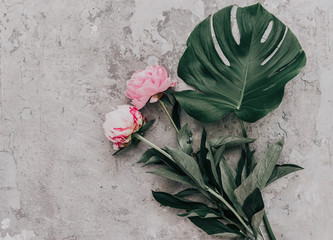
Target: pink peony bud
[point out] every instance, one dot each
(148, 84)
(120, 124)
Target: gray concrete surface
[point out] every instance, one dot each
(64, 64)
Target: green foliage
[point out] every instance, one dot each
(253, 207)
(261, 173)
(187, 192)
(281, 171)
(172, 175)
(250, 87)
(146, 126)
(214, 227)
(175, 115)
(151, 156)
(228, 179)
(237, 202)
(229, 141)
(185, 139)
(173, 201)
(188, 165)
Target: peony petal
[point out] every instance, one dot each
(144, 84)
(156, 97)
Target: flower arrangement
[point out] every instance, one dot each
(248, 82)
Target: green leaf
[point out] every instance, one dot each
(152, 156)
(153, 160)
(228, 179)
(146, 126)
(175, 115)
(261, 173)
(281, 171)
(169, 200)
(172, 175)
(203, 212)
(212, 167)
(229, 141)
(187, 192)
(250, 162)
(203, 163)
(251, 86)
(185, 139)
(241, 169)
(166, 100)
(253, 207)
(188, 165)
(147, 155)
(214, 227)
(133, 143)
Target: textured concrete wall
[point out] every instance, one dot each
(64, 64)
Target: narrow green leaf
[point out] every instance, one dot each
(153, 160)
(212, 167)
(227, 235)
(281, 171)
(241, 169)
(151, 156)
(185, 139)
(133, 143)
(169, 200)
(188, 165)
(121, 150)
(254, 209)
(229, 141)
(265, 167)
(202, 212)
(256, 221)
(187, 192)
(214, 227)
(203, 163)
(146, 126)
(261, 173)
(172, 175)
(148, 154)
(228, 179)
(175, 115)
(250, 162)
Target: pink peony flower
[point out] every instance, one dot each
(148, 84)
(120, 124)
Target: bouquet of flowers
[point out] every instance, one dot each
(244, 76)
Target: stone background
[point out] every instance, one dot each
(64, 64)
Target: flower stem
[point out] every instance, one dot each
(167, 113)
(141, 138)
(268, 227)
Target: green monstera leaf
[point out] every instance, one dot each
(250, 76)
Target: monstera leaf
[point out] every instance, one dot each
(250, 81)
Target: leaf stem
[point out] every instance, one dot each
(141, 138)
(167, 113)
(268, 227)
(218, 196)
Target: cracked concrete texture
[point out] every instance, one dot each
(64, 64)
